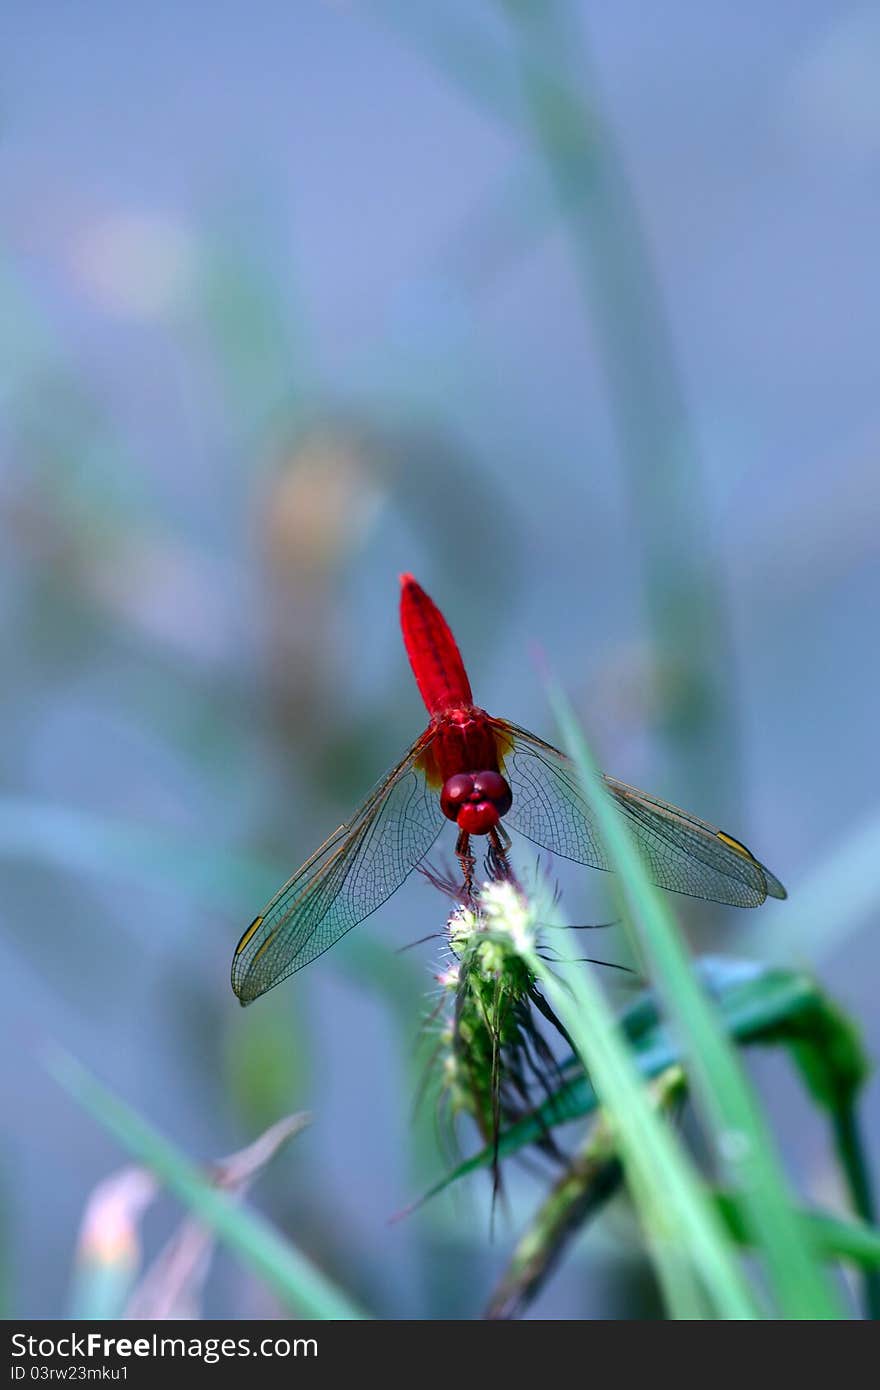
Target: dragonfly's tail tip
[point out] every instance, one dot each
(405, 579)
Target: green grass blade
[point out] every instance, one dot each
(836, 1238)
(292, 1277)
(734, 1123)
(591, 1177)
(758, 1005)
(851, 1153)
(683, 1229)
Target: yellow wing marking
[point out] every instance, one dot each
(291, 908)
(268, 942)
(248, 934)
(735, 844)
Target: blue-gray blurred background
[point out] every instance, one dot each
(569, 309)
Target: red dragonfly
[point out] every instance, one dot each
(477, 771)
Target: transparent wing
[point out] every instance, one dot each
(683, 853)
(353, 873)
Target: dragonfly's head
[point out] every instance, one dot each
(476, 801)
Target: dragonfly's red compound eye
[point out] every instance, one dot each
(475, 801)
(457, 791)
(492, 787)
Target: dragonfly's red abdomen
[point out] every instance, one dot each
(433, 654)
(463, 757)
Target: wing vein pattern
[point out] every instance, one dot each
(683, 853)
(352, 874)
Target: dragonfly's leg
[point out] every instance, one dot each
(496, 859)
(467, 862)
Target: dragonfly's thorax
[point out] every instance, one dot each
(465, 741)
(474, 793)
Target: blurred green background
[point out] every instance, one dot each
(569, 309)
